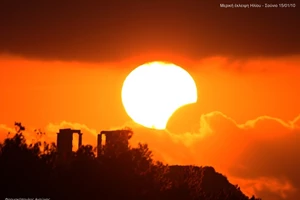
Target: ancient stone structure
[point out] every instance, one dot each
(65, 143)
(110, 143)
(115, 142)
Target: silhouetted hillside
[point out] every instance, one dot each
(204, 181)
(34, 171)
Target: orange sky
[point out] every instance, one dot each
(246, 122)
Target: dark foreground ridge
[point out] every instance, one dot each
(42, 170)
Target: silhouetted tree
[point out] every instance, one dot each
(33, 171)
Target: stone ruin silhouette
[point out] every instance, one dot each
(108, 142)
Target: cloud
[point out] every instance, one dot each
(269, 188)
(260, 155)
(115, 30)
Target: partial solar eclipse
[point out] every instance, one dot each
(152, 92)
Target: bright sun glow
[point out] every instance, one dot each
(152, 92)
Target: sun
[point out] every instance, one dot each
(152, 92)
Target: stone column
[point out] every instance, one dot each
(99, 144)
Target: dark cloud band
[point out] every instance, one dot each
(113, 30)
